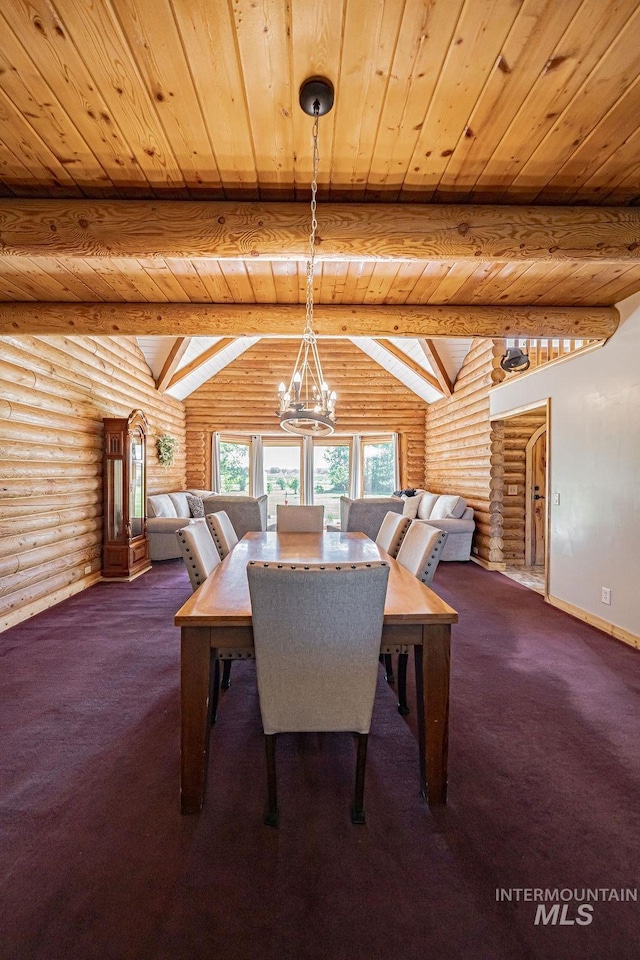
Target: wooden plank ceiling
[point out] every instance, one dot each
(481, 153)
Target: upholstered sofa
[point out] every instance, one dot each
(446, 512)
(166, 514)
(245, 513)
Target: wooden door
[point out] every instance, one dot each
(536, 498)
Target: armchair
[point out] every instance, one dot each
(245, 513)
(365, 515)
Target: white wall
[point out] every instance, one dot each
(595, 467)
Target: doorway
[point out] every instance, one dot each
(524, 504)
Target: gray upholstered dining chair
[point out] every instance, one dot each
(317, 630)
(299, 519)
(420, 553)
(198, 551)
(222, 531)
(225, 539)
(392, 532)
(201, 557)
(390, 535)
(421, 549)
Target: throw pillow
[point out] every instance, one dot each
(196, 506)
(410, 506)
(448, 506)
(425, 506)
(161, 505)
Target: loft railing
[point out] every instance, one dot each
(542, 350)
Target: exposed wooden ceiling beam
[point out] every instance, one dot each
(176, 354)
(199, 361)
(277, 320)
(411, 364)
(279, 231)
(431, 353)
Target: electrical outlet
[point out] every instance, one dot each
(87, 569)
(606, 595)
(512, 490)
(556, 499)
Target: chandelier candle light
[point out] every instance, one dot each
(307, 407)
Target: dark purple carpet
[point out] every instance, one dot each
(98, 863)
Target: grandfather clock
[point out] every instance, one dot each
(125, 552)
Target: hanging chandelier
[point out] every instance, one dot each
(307, 407)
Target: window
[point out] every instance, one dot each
(234, 466)
(378, 467)
(282, 463)
(282, 474)
(331, 476)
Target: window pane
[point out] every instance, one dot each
(234, 467)
(136, 482)
(330, 477)
(377, 469)
(281, 475)
(115, 520)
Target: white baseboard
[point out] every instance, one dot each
(618, 632)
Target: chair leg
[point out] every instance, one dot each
(215, 687)
(357, 810)
(226, 673)
(388, 666)
(403, 660)
(272, 815)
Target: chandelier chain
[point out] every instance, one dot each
(314, 223)
(307, 406)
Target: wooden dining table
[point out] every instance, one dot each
(218, 616)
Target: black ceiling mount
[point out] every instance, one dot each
(316, 93)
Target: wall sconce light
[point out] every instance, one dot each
(515, 360)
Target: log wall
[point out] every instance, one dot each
(242, 398)
(54, 392)
(464, 451)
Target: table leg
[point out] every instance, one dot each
(432, 687)
(195, 686)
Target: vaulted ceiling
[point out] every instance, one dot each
(479, 174)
